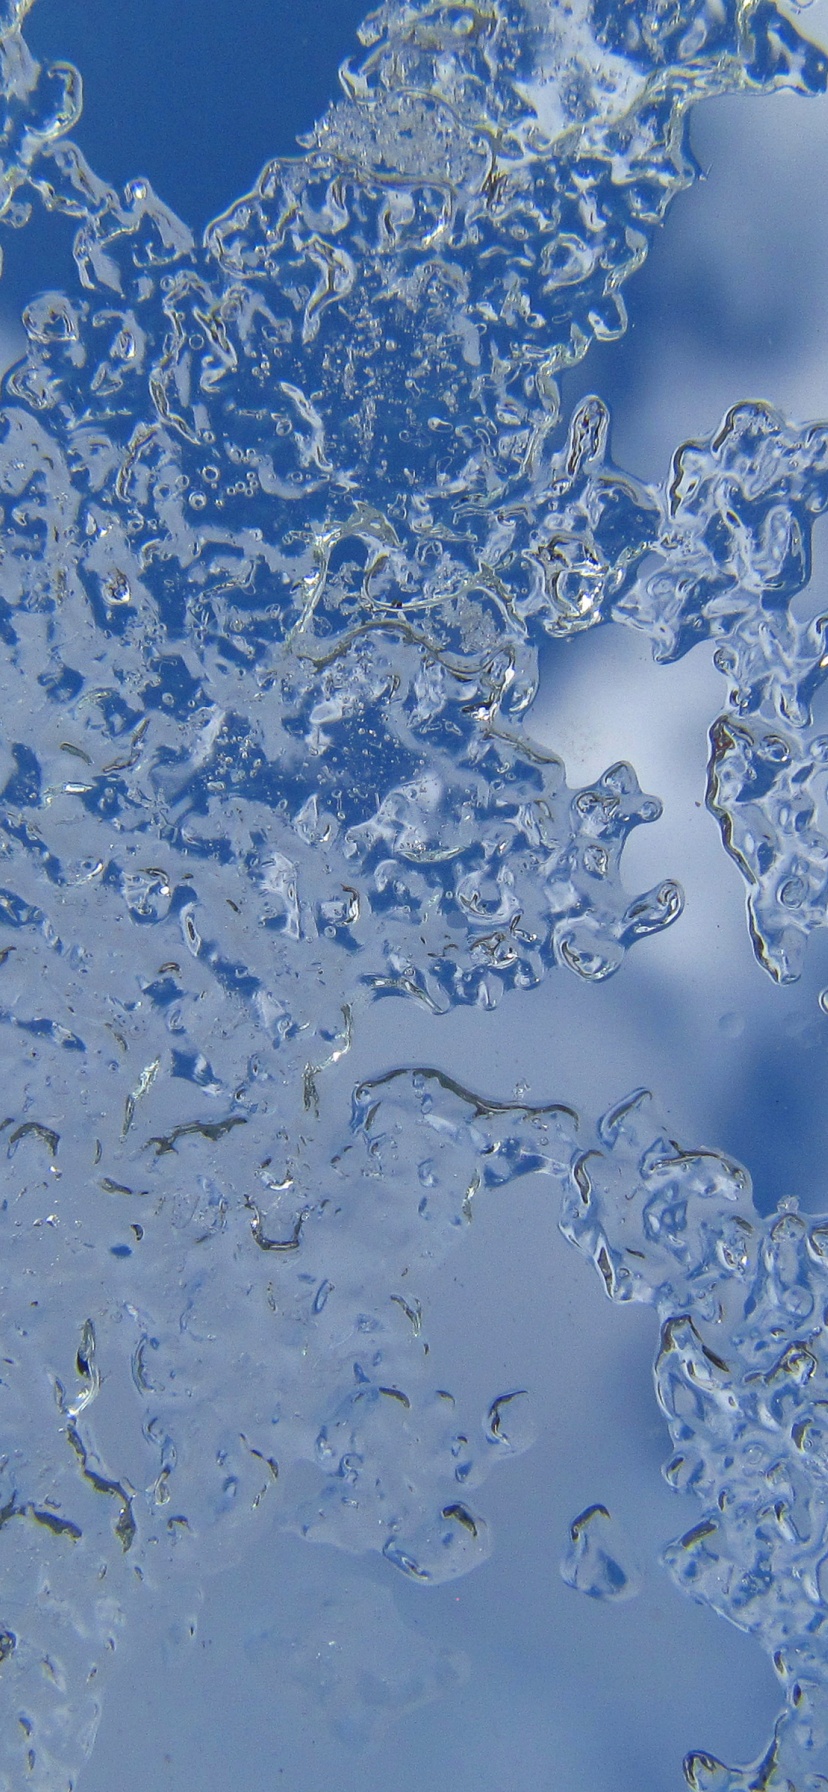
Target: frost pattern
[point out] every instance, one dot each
(287, 516)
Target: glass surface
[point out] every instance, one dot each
(328, 1457)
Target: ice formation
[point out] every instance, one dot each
(598, 1559)
(288, 515)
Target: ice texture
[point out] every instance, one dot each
(733, 552)
(288, 515)
(598, 1559)
(741, 1379)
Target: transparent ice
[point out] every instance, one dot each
(288, 517)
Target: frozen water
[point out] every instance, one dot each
(290, 516)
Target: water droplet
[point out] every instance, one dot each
(598, 1559)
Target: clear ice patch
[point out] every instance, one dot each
(598, 1559)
